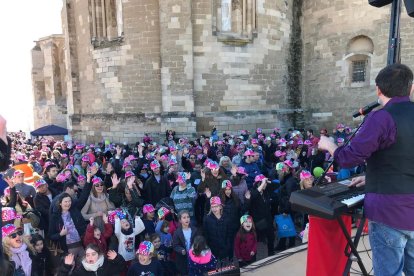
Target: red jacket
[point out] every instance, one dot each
(101, 243)
(243, 249)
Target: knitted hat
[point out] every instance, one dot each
(245, 218)
(126, 164)
(146, 248)
(259, 177)
(95, 164)
(280, 166)
(61, 177)
(69, 167)
(300, 142)
(9, 229)
(96, 180)
(254, 141)
(282, 140)
(289, 163)
(39, 183)
(172, 162)
(85, 158)
(79, 146)
(9, 213)
(148, 208)
(212, 165)
(81, 177)
(338, 126)
(129, 174)
(162, 212)
(305, 175)
(155, 164)
(215, 200)
(172, 148)
(226, 184)
(308, 143)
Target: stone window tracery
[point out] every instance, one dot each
(234, 21)
(107, 22)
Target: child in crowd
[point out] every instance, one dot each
(245, 243)
(126, 235)
(162, 253)
(165, 214)
(145, 264)
(42, 257)
(162, 230)
(149, 220)
(182, 240)
(94, 235)
(201, 260)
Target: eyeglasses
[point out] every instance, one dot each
(14, 235)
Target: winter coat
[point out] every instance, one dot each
(252, 170)
(216, 233)
(154, 191)
(181, 260)
(199, 265)
(243, 248)
(42, 205)
(102, 242)
(94, 205)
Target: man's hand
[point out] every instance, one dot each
(3, 129)
(357, 181)
(326, 144)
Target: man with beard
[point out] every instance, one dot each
(156, 187)
(51, 172)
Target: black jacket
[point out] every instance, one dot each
(109, 268)
(181, 260)
(42, 205)
(216, 233)
(154, 191)
(56, 224)
(54, 186)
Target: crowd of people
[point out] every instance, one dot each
(181, 207)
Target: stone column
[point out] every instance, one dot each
(176, 36)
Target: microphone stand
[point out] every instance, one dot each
(319, 181)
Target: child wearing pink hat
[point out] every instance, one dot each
(146, 264)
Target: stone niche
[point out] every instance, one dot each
(234, 21)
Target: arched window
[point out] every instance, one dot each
(358, 61)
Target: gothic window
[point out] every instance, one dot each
(234, 21)
(107, 22)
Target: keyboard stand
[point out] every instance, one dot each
(352, 245)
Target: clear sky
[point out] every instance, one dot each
(22, 22)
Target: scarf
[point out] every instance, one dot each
(21, 258)
(99, 199)
(93, 267)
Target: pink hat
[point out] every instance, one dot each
(241, 170)
(132, 157)
(9, 229)
(126, 164)
(282, 140)
(162, 212)
(340, 140)
(259, 130)
(279, 153)
(172, 162)
(215, 200)
(61, 177)
(300, 142)
(17, 172)
(305, 175)
(81, 177)
(146, 248)
(226, 184)
(129, 174)
(39, 183)
(85, 158)
(148, 208)
(172, 148)
(181, 177)
(212, 165)
(245, 218)
(9, 213)
(259, 177)
(7, 191)
(49, 164)
(254, 141)
(308, 142)
(155, 164)
(164, 157)
(338, 126)
(260, 136)
(79, 146)
(219, 142)
(276, 129)
(248, 153)
(20, 156)
(289, 163)
(96, 180)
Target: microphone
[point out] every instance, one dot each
(366, 109)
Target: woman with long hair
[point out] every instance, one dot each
(98, 203)
(18, 251)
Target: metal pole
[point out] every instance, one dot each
(394, 44)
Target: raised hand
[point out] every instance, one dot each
(111, 255)
(115, 180)
(208, 193)
(247, 195)
(69, 259)
(233, 170)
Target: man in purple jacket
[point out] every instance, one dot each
(386, 143)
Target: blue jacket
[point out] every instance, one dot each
(252, 170)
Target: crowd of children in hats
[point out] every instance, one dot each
(177, 208)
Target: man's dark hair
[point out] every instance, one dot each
(69, 184)
(310, 130)
(395, 80)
